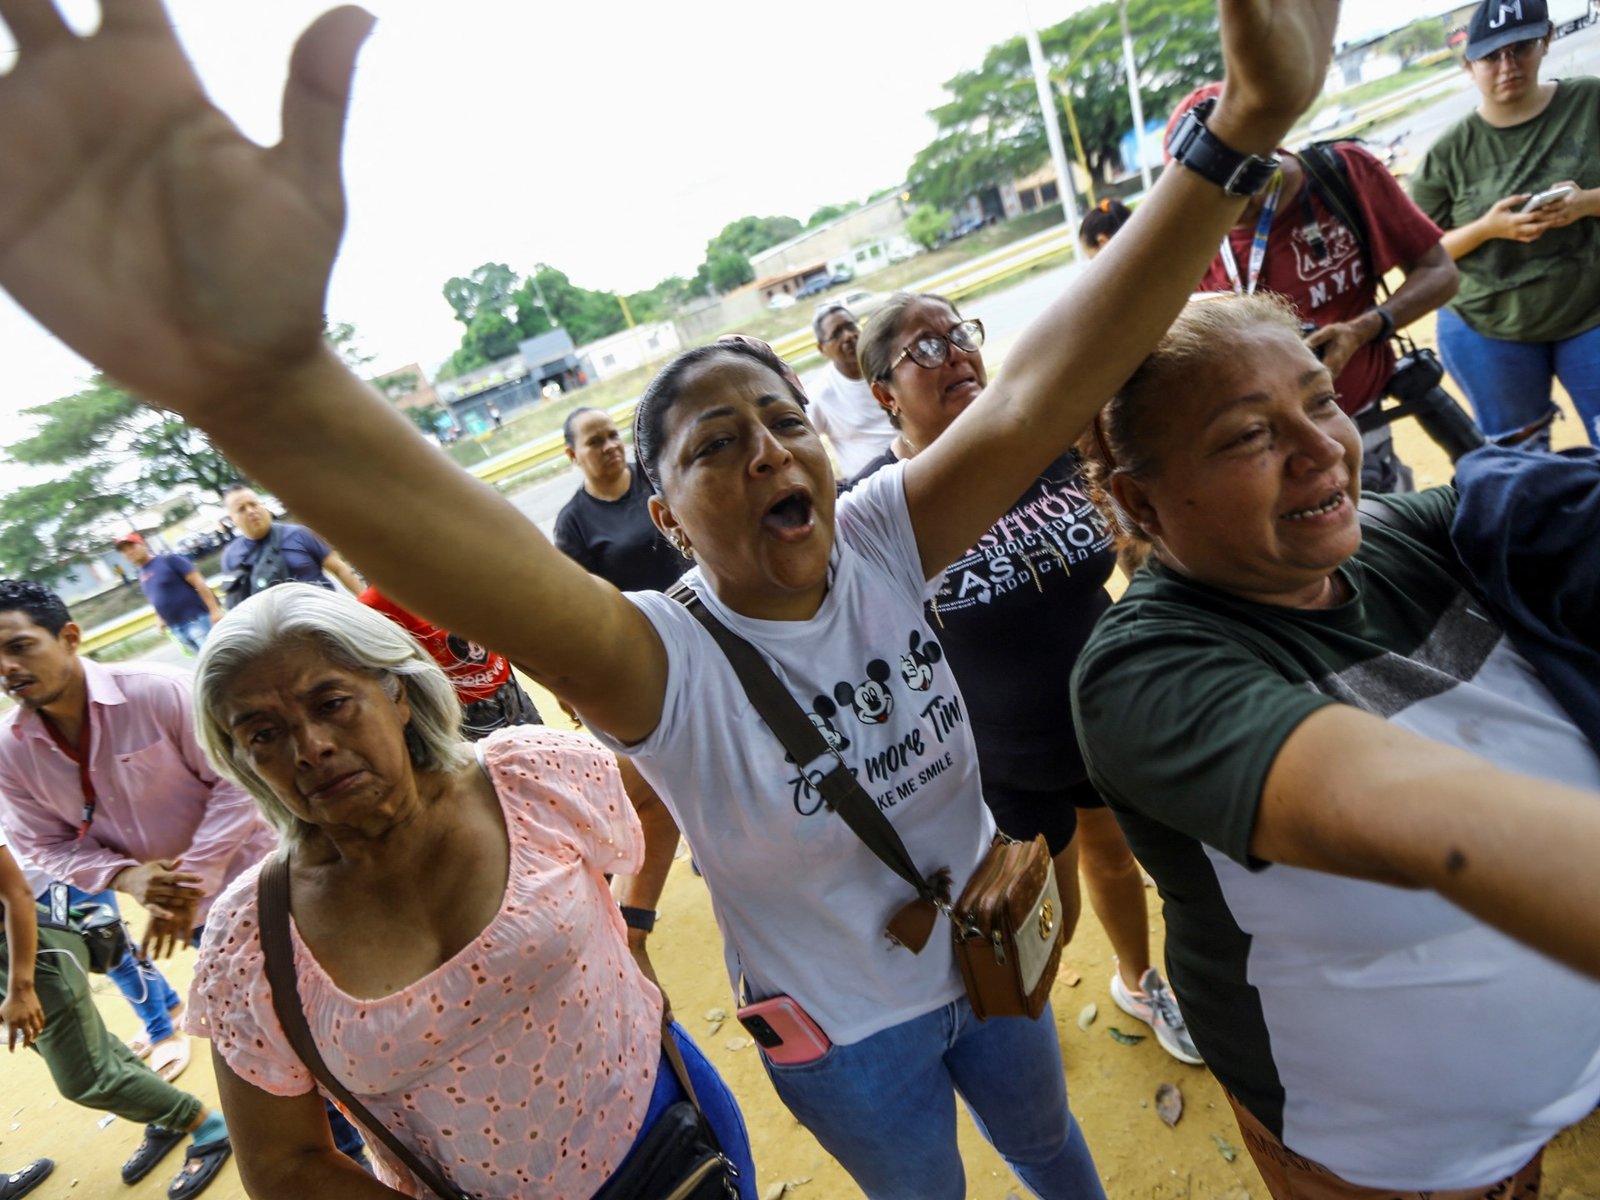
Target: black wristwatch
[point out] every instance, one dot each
(1200, 150)
(642, 919)
(1387, 317)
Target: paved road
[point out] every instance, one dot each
(1006, 313)
(1576, 54)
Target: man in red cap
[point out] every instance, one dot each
(184, 605)
(1291, 240)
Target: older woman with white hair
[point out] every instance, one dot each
(460, 962)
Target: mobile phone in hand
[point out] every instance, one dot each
(1543, 198)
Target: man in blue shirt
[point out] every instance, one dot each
(269, 551)
(184, 604)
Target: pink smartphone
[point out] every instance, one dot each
(785, 1032)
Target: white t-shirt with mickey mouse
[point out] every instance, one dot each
(801, 902)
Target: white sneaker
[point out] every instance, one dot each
(1155, 1005)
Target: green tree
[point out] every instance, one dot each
(397, 385)
(112, 455)
(1418, 39)
(493, 334)
(751, 235)
(829, 212)
(107, 431)
(729, 270)
(990, 129)
(487, 288)
(342, 337)
(44, 526)
(925, 224)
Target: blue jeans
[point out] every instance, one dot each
(716, 1102)
(885, 1106)
(145, 988)
(192, 634)
(1508, 383)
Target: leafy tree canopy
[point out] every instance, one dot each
(830, 211)
(342, 336)
(925, 224)
(488, 288)
(751, 235)
(990, 129)
(505, 309)
(96, 436)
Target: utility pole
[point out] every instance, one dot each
(1065, 189)
(1133, 94)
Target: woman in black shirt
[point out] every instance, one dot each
(1011, 616)
(606, 526)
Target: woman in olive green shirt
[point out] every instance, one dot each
(1529, 306)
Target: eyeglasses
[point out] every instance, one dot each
(847, 327)
(1516, 50)
(932, 350)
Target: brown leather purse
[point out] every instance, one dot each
(1006, 924)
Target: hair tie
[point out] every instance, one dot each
(1104, 205)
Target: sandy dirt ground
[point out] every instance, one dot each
(1112, 1086)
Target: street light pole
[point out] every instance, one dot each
(1133, 94)
(1065, 189)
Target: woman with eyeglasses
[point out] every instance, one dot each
(1515, 185)
(1011, 615)
(226, 329)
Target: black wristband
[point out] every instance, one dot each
(642, 919)
(1387, 318)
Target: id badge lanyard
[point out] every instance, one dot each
(1258, 244)
(79, 754)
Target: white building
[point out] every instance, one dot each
(631, 349)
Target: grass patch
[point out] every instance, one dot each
(529, 425)
(132, 647)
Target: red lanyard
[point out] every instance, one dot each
(80, 755)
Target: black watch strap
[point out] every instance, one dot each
(1208, 156)
(642, 919)
(1387, 318)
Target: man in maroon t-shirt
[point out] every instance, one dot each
(1318, 264)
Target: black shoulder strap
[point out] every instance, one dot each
(1328, 175)
(819, 763)
(272, 898)
(1373, 511)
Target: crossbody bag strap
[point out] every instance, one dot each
(272, 898)
(840, 789)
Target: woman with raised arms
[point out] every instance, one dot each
(191, 265)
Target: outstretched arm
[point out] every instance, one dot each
(140, 227)
(20, 1011)
(1074, 356)
(1518, 853)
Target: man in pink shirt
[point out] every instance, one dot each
(103, 783)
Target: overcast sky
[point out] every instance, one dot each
(608, 139)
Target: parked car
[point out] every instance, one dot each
(816, 285)
(843, 274)
(862, 302)
(901, 249)
(780, 301)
